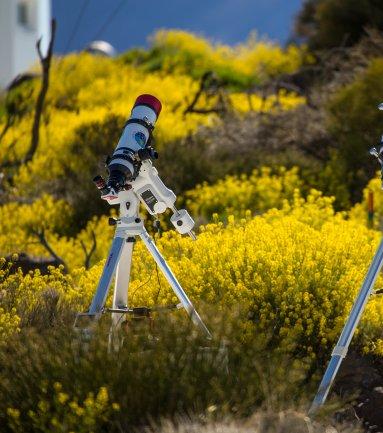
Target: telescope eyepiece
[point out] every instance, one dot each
(100, 184)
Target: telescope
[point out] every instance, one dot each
(130, 167)
(132, 179)
(134, 145)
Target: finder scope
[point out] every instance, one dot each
(134, 145)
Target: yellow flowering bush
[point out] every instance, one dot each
(283, 262)
(262, 190)
(314, 210)
(283, 100)
(360, 210)
(24, 296)
(74, 250)
(269, 60)
(9, 324)
(58, 411)
(86, 89)
(9, 319)
(234, 195)
(19, 224)
(295, 270)
(253, 61)
(115, 92)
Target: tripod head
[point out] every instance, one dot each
(378, 151)
(130, 168)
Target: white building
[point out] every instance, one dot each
(22, 23)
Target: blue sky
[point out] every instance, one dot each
(126, 23)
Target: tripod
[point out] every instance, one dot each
(132, 180)
(340, 350)
(128, 226)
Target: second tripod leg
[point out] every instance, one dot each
(348, 331)
(120, 296)
(102, 290)
(178, 290)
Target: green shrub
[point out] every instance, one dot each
(239, 67)
(357, 125)
(334, 23)
(56, 381)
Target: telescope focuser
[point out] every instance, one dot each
(147, 153)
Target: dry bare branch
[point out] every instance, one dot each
(88, 254)
(40, 234)
(45, 64)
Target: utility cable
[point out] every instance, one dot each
(77, 24)
(108, 20)
(157, 226)
(140, 286)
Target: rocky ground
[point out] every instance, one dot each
(360, 382)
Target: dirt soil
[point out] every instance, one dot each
(360, 382)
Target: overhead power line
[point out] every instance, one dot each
(77, 24)
(109, 20)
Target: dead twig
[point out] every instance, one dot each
(11, 117)
(45, 64)
(88, 254)
(40, 234)
(210, 86)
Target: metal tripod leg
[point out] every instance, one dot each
(178, 290)
(120, 297)
(340, 350)
(110, 266)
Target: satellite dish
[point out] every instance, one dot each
(101, 48)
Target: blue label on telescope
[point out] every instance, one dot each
(140, 138)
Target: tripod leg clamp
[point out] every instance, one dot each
(340, 351)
